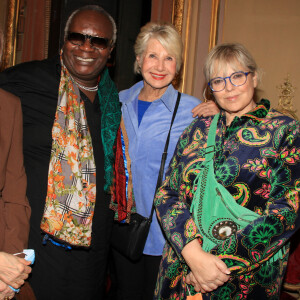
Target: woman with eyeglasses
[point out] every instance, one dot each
(255, 163)
(71, 114)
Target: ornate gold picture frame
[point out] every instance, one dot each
(11, 7)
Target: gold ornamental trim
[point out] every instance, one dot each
(177, 14)
(177, 21)
(286, 96)
(11, 27)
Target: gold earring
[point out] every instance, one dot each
(207, 96)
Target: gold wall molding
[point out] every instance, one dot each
(177, 14)
(177, 21)
(10, 33)
(214, 23)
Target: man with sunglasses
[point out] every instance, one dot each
(71, 114)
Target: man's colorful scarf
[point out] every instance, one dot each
(71, 191)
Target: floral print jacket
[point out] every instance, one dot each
(257, 160)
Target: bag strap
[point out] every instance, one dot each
(209, 157)
(164, 155)
(211, 140)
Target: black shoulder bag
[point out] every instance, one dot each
(130, 239)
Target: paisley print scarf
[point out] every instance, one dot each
(71, 190)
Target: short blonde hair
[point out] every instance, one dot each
(166, 34)
(228, 53)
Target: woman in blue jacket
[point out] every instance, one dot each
(147, 109)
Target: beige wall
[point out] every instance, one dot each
(270, 30)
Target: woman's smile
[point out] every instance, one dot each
(158, 76)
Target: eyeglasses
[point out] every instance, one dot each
(79, 39)
(237, 79)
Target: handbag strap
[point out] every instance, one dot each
(165, 153)
(211, 140)
(209, 156)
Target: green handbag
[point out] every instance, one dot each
(215, 211)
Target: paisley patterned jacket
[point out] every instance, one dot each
(257, 160)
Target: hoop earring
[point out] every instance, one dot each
(205, 93)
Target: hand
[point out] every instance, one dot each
(205, 109)
(5, 291)
(208, 271)
(190, 279)
(13, 270)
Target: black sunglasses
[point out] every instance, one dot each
(79, 39)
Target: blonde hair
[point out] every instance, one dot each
(228, 53)
(166, 34)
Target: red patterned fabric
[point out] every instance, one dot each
(120, 178)
(121, 202)
(292, 277)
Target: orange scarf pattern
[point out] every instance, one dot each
(71, 190)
